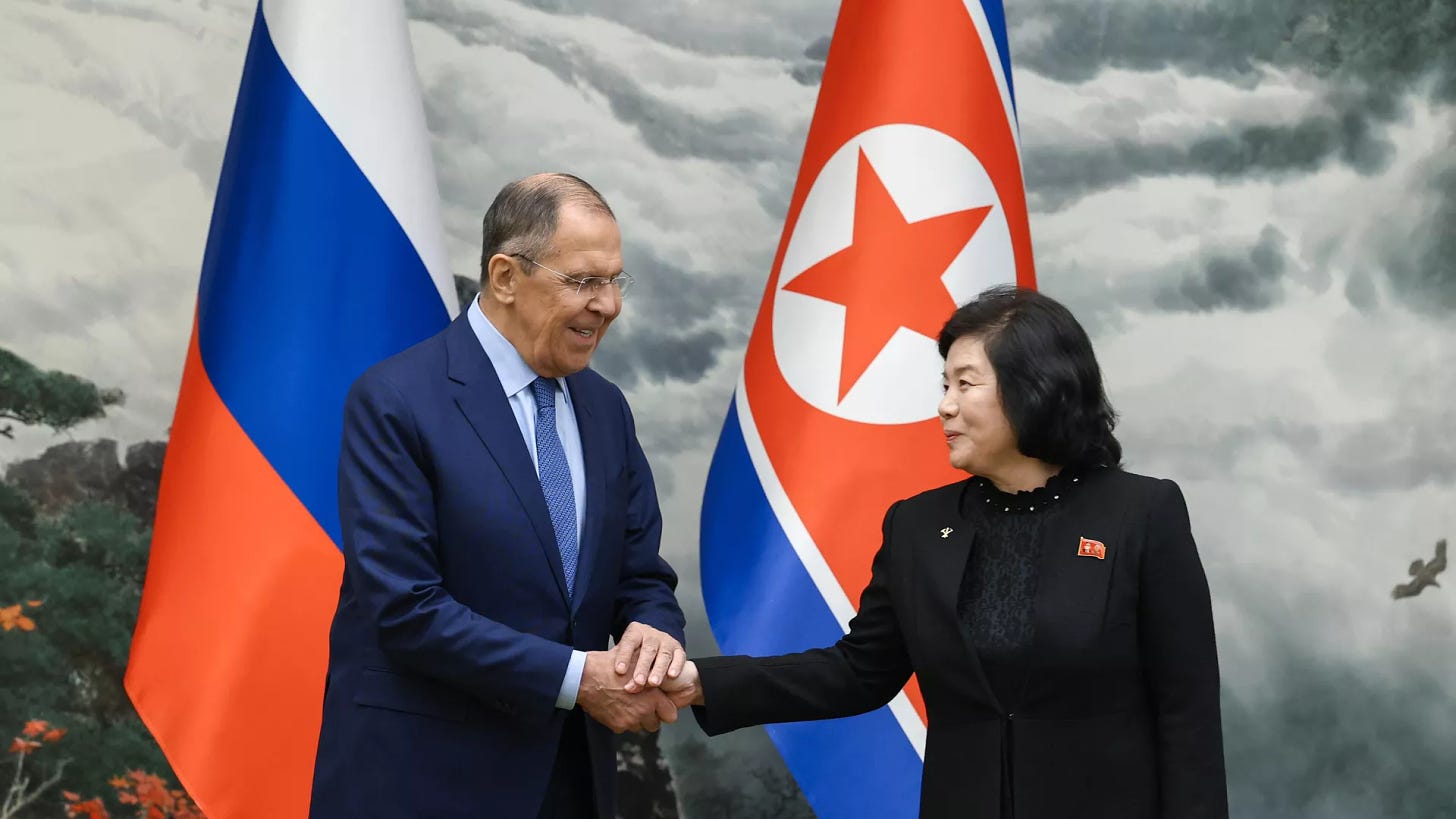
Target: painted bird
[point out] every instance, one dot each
(1424, 574)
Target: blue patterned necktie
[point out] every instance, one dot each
(555, 475)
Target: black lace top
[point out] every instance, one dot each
(997, 597)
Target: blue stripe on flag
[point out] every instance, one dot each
(761, 601)
(308, 280)
(996, 16)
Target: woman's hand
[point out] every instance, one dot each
(685, 689)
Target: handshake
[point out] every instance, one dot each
(639, 683)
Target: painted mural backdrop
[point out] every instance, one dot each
(1252, 205)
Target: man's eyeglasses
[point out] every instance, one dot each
(593, 285)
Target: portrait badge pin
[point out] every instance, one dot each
(1091, 548)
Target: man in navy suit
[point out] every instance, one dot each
(500, 524)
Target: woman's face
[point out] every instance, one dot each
(977, 431)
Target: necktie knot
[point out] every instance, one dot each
(545, 391)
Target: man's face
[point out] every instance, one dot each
(557, 329)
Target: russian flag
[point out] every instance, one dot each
(909, 201)
(325, 255)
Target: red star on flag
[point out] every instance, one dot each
(889, 277)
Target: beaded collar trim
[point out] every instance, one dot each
(982, 493)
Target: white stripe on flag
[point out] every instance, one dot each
(354, 62)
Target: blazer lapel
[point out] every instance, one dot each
(479, 396)
(1072, 588)
(594, 456)
(944, 561)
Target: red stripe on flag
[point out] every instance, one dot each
(231, 646)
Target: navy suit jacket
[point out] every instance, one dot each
(454, 629)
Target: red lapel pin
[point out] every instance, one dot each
(1092, 548)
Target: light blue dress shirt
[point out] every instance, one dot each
(516, 377)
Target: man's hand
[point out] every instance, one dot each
(684, 690)
(649, 655)
(603, 696)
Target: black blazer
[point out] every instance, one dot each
(1120, 714)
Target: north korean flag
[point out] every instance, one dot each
(909, 201)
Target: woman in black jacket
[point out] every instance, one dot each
(1053, 605)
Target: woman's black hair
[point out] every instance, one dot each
(1051, 386)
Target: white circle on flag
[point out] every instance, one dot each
(928, 174)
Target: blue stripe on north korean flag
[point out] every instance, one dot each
(859, 766)
(996, 19)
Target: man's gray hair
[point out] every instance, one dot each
(522, 219)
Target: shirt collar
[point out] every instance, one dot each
(512, 370)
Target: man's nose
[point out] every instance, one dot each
(606, 300)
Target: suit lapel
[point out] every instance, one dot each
(945, 561)
(1072, 588)
(478, 394)
(594, 456)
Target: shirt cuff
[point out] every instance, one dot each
(566, 700)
